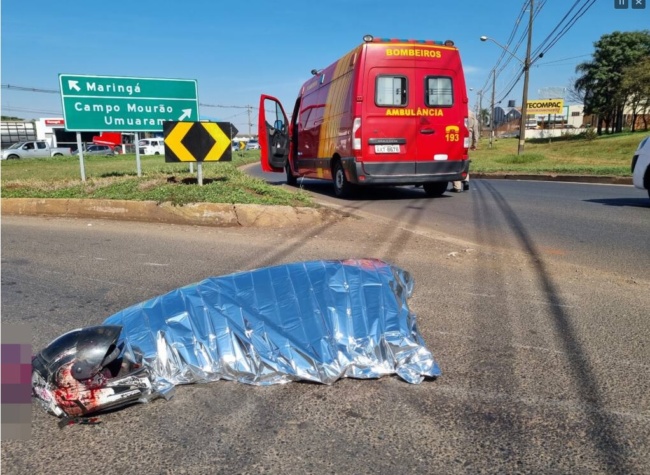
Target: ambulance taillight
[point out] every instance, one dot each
(356, 134)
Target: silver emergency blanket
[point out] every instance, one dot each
(314, 321)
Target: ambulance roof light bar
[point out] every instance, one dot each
(372, 39)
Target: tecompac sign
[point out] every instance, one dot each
(545, 106)
(126, 104)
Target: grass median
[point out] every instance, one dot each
(116, 178)
(607, 155)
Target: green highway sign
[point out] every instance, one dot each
(126, 104)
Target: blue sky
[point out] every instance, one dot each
(238, 50)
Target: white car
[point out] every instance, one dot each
(154, 146)
(641, 166)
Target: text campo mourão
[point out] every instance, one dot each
(131, 108)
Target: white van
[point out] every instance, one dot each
(155, 146)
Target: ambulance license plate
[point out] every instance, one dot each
(386, 148)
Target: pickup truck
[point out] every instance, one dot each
(38, 148)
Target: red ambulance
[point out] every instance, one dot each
(390, 112)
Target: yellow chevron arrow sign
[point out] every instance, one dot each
(221, 141)
(173, 142)
(198, 141)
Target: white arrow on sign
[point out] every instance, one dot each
(73, 85)
(186, 114)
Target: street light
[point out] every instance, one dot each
(486, 38)
(526, 65)
(492, 104)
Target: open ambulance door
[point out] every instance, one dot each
(273, 133)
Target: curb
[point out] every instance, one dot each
(221, 214)
(607, 180)
(603, 179)
(201, 214)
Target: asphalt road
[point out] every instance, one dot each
(601, 226)
(545, 363)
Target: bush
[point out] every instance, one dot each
(590, 134)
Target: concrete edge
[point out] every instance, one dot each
(202, 214)
(607, 180)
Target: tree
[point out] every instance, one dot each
(636, 87)
(573, 94)
(601, 79)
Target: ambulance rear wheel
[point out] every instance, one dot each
(342, 187)
(435, 189)
(291, 180)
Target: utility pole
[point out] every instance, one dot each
(494, 81)
(250, 124)
(524, 100)
(479, 109)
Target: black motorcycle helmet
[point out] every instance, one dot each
(82, 372)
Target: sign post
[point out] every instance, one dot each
(136, 138)
(81, 157)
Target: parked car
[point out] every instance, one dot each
(35, 149)
(154, 146)
(641, 166)
(97, 150)
(252, 145)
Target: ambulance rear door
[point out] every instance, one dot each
(388, 125)
(440, 118)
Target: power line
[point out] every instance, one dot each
(249, 109)
(563, 59)
(563, 26)
(32, 111)
(541, 49)
(239, 114)
(226, 107)
(56, 91)
(524, 34)
(510, 38)
(515, 80)
(30, 89)
(548, 37)
(572, 22)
